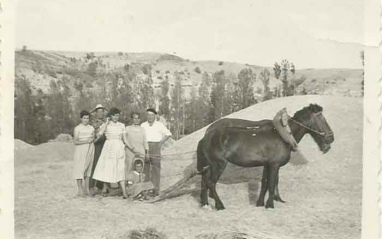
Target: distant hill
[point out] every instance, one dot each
(41, 67)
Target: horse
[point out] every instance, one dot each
(248, 143)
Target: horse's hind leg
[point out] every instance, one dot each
(272, 176)
(264, 187)
(216, 172)
(277, 193)
(206, 174)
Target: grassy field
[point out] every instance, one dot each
(323, 192)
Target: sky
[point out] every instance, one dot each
(310, 33)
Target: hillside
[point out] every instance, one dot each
(323, 192)
(40, 67)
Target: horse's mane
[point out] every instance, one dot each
(304, 112)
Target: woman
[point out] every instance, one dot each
(136, 137)
(83, 153)
(111, 163)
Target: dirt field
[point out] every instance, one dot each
(323, 192)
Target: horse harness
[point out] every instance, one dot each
(258, 127)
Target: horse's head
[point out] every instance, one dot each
(316, 125)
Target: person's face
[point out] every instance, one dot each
(115, 118)
(100, 113)
(136, 120)
(85, 119)
(139, 168)
(150, 117)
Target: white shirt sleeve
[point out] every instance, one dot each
(164, 130)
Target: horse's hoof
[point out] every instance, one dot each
(206, 207)
(269, 205)
(219, 207)
(259, 204)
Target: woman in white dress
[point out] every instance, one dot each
(111, 163)
(83, 153)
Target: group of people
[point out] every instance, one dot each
(106, 151)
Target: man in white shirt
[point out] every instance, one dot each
(156, 135)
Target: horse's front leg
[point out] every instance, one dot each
(264, 187)
(277, 193)
(272, 176)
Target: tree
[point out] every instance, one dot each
(23, 110)
(90, 55)
(176, 105)
(204, 102)
(246, 83)
(219, 105)
(277, 70)
(285, 66)
(59, 108)
(192, 109)
(292, 68)
(92, 69)
(264, 77)
(164, 101)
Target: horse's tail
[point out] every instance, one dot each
(201, 163)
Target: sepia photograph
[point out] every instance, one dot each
(190, 119)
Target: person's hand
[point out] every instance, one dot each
(147, 158)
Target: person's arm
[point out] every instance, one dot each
(126, 142)
(145, 144)
(167, 134)
(76, 139)
(103, 128)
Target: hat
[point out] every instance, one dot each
(99, 106)
(138, 159)
(151, 110)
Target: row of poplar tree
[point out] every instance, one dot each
(42, 116)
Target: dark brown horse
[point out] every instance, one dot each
(255, 143)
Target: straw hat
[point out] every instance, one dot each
(99, 106)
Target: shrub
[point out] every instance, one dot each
(197, 70)
(148, 233)
(146, 69)
(51, 73)
(220, 63)
(64, 138)
(126, 67)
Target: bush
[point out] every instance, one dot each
(221, 63)
(146, 69)
(148, 233)
(51, 73)
(63, 138)
(197, 70)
